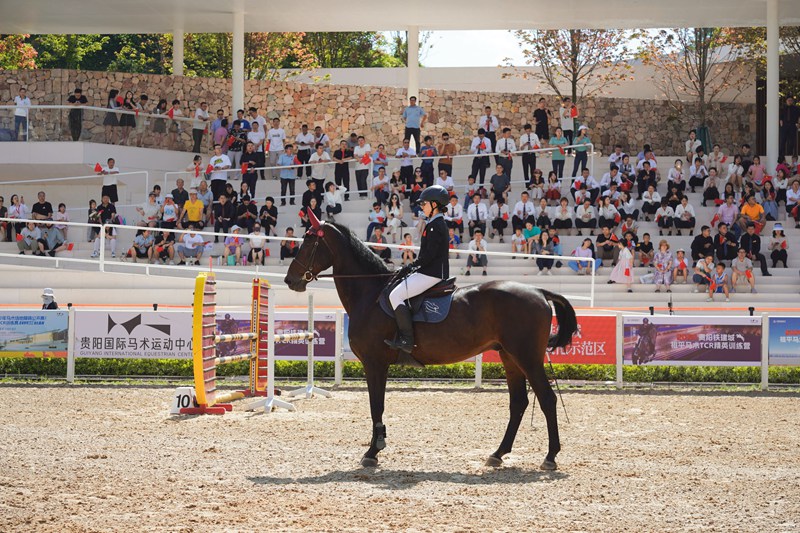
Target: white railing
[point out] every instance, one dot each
(34, 181)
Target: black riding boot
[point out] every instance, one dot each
(404, 341)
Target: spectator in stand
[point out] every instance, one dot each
(179, 194)
(192, 246)
(53, 239)
(477, 244)
(193, 212)
(524, 211)
(543, 246)
(454, 216)
(362, 154)
(718, 283)
(685, 217)
(319, 163)
(377, 217)
(558, 156)
(531, 233)
(29, 239)
(536, 185)
(703, 272)
(585, 217)
(608, 217)
(142, 247)
(42, 209)
(446, 181)
(710, 187)
(224, 213)
(199, 126)
(742, 267)
(341, 172)
(499, 214)
(288, 175)
(607, 247)
(562, 216)
(159, 124)
(257, 136)
(792, 203)
(553, 193)
(428, 152)
(236, 142)
(414, 117)
(305, 145)
(681, 267)
(505, 148)
(725, 244)
(703, 244)
(477, 215)
(490, 124)
(778, 246)
(582, 142)
(109, 173)
(567, 114)
(757, 174)
(380, 160)
(747, 158)
(675, 175)
(663, 262)
(480, 145)
(407, 254)
(313, 206)
(76, 100)
(692, 145)
(334, 197)
(245, 124)
(529, 141)
(111, 121)
(170, 213)
(288, 247)
(447, 149)
(623, 272)
(220, 163)
(322, 138)
(276, 137)
(221, 134)
(268, 216)
(149, 212)
(174, 130)
(249, 161)
(646, 251)
(310, 193)
(7, 227)
(381, 187)
(164, 249)
(651, 201)
(258, 246)
(768, 201)
(394, 223)
(246, 214)
(585, 250)
(646, 178)
(377, 240)
(751, 213)
(501, 185)
(233, 247)
(789, 124)
(453, 241)
(750, 242)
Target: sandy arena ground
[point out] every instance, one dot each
(110, 458)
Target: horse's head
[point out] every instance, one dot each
(313, 257)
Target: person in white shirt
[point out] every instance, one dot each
(333, 198)
(192, 245)
(528, 141)
(506, 147)
(608, 215)
(199, 126)
(562, 215)
(405, 154)
(322, 138)
(477, 215)
(361, 153)
(523, 212)
(254, 118)
(665, 217)
(380, 186)
(276, 138)
(477, 244)
(490, 125)
(219, 178)
(685, 217)
(109, 173)
(499, 214)
(697, 174)
(615, 159)
(692, 144)
(304, 143)
(23, 104)
(650, 202)
(567, 120)
(320, 164)
(481, 144)
(258, 242)
(585, 217)
(675, 175)
(257, 136)
(454, 215)
(445, 181)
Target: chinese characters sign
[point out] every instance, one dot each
(34, 334)
(784, 340)
(141, 335)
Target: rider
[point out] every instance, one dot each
(647, 337)
(431, 267)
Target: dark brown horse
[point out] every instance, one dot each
(509, 317)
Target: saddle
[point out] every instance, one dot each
(431, 306)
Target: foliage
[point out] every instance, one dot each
(16, 53)
(790, 38)
(695, 66)
(586, 61)
(67, 51)
(147, 54)
(398, 46)
(349, 49)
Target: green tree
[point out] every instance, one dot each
(145, 53)
(398, 46)
(16, 52)
(349, 49)
(576, 63)
(67, 51)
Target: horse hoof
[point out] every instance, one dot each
(549, 465)
(369, 462)
(494, 461)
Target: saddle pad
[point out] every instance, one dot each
(431, 310)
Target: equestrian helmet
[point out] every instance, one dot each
(435, 193)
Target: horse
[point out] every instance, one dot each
(506, 316)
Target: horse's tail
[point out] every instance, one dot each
(567, 321)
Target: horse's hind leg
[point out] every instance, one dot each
(376, 383)
(518, 402)
(547, 401)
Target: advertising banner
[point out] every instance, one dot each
(34, 333)
(700, 340)
(784, 340)
(129, 335)
(594, 343)
(285, 322)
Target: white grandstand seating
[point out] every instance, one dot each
(25, 276)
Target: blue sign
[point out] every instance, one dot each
(784, 340)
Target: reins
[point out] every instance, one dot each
(309, 275)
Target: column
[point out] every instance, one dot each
(238, 63)
(773, 78)
(177, 51)
(413, 62)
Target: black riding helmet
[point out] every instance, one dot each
(435, 193)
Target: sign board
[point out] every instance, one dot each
(784, 340)
(34, 333)
(129, 335)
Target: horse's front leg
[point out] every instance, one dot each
(376, 374)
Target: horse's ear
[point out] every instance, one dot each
(315, 223)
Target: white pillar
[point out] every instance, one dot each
(413, 62)
(177, 51)
(773, 79)
(237, 69)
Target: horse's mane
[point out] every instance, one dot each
(363, 254)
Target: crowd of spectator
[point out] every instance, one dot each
(606, 207)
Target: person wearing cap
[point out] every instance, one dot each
(778, 246)
(192, 245)
(193, 211)
(169, 213)
(49, 300)
(246, 214)
(233, 246)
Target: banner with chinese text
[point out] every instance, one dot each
(140, 335)
(784, 340)
(34, 333)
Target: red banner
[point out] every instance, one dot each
(594, 343)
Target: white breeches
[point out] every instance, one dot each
(413, 285)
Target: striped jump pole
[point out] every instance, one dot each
(310, 390)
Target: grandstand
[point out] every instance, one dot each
(124, 283)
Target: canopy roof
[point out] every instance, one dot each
(215, 16)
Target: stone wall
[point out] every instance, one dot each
(375, 111)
